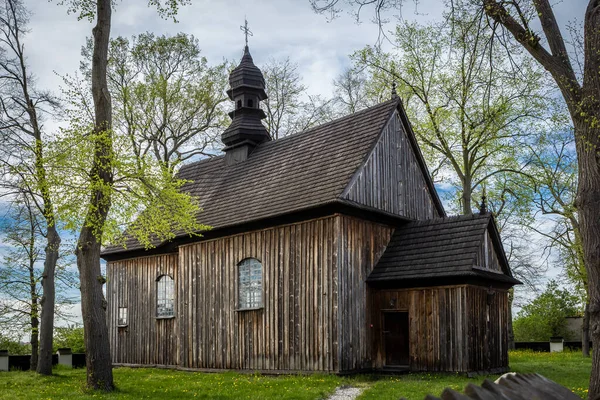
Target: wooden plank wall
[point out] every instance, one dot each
(486, 256)
(294, 330)
(488, 328)
(132, 284)
(362, 243)
(448, 328)
(391, 179)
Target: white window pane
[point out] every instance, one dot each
(122, 316)
(250, 284)
(165, 297)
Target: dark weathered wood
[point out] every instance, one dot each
(448, 327)
(391, 178)
(289, 331)
(360, 245)
(146, 339)
(318, 313)
(511, 387)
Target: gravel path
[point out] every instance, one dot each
(345, 393)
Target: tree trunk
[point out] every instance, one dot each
(511, 332)
(466, 195)
(588, 204)
(587, 135)
(47, 302)
(584, 106)
(585, 331)
(93, 309)
(33, 362)
(93, 305)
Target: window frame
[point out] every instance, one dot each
(261, 304)
(120, 323)
(166, 298)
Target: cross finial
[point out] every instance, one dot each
(244, 28)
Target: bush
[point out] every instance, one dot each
(13, 346)
(69, 337)
(545, 316)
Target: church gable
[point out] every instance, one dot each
(394, 177)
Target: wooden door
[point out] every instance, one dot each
(395, 336)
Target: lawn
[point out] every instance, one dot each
(568, 369)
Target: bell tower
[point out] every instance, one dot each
(247, 90)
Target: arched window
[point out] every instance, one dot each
(239, 104)
(250, 103)
(249, 284)
(165, 297)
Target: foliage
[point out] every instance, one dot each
(86, 9)
(569, 369)
(554, 166)
(14, 346)
(544, 316)
(289, 109)
(139, 184)
(468, 105)
(355, 89)
(473, 113)
(166, 100)
(21, 269)
(71, 336)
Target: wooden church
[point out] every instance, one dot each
(329, 251)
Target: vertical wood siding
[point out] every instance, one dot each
(486, 256)
(361, 245)
(293, 331)
(391, 179)
(488, 328)
(145, 339)
(448, 327)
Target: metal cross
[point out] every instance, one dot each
(246, 30)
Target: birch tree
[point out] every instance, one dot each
(24, 143)
(21, 273)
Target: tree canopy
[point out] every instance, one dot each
(544, 316)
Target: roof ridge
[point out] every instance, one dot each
(325, 124)
(300, 133)
(453, 218)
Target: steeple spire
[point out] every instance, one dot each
(483, 207)
(394, 93)
(247, 89)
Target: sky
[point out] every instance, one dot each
(281, 29)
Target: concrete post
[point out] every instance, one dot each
(556, 344)
(3, 360)
(65, 357)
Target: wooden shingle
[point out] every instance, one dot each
(438, 248)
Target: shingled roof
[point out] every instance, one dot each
(440, 248)
(298, 172)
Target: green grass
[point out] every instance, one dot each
(569, 369)
(149, 383)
